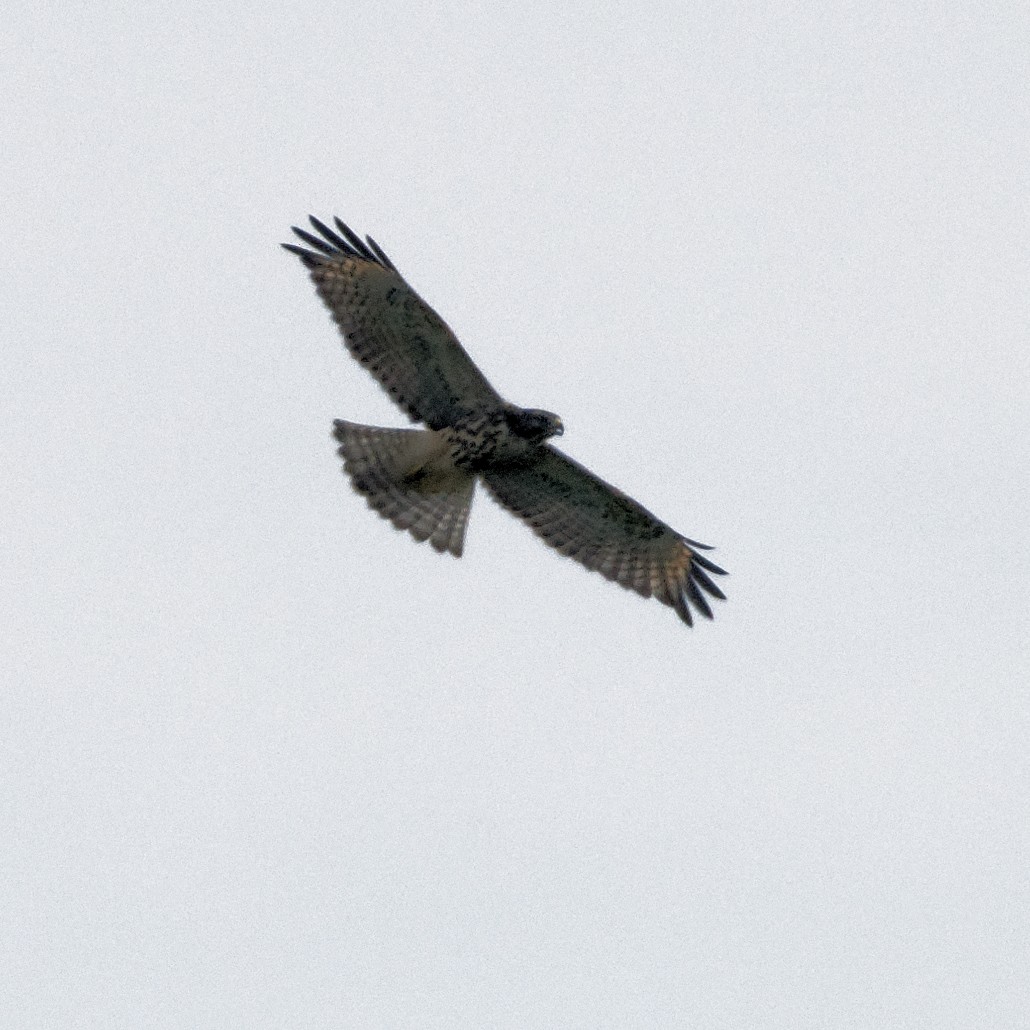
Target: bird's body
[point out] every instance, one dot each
(423, 479)
(498, 437)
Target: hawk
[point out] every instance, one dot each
(422, 480)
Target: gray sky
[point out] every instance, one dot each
(268, 763)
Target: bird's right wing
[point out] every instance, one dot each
(395, 334)
(583, 517)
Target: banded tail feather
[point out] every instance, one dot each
(407, 477)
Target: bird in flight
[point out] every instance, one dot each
(422, 480)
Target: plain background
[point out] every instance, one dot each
(266, 762)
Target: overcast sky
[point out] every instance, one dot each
(266, 762)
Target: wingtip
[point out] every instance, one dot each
(699, 576)
(310, 260)
(380, 254)
(354, 242)
(682, 609)
(698, 600)
(335, 242)
(709, 565)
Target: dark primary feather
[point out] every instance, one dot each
(355, 241)
(380, 254)
(309, 259)
(314, 241)
(328, 233)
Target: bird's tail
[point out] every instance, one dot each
(408, 478)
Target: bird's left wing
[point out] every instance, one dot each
(585, 518)
(387, 326)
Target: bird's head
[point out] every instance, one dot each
(533, 424)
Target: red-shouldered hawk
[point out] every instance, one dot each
(422, 480)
